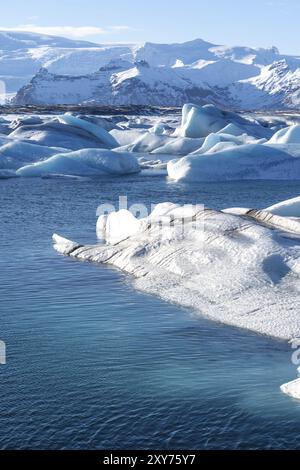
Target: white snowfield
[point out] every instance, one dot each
(51, 70)
(242, 270)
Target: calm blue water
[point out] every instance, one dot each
(93, 364)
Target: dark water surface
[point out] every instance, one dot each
(93, 364)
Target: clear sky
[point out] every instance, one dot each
(259, 23)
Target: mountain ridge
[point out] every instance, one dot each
(51, 70)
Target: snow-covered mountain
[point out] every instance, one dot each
(49, 70)
(22, 55)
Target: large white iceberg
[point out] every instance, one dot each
(87, 162)
(245, 162)
(238, 270)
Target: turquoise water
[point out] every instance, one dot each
(93, 364)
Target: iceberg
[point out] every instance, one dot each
(232, 129)
(15, 154)
(288, 135)
(126, 136)
(116, 227)
(58, 134)
(242, 270)
(107, 139)
(200, 121)
(292, 389)
(87, 162)
(7, 174)
(147, 143)
(162, 144)
(63, 245)
(213, 141)
(288, 208)
(179, 146)
(245, 162)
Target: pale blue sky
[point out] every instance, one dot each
(233, 22)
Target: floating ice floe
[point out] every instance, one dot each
(245, 162)
(240, 270)
(87, 162)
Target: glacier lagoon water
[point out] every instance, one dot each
(93, 364)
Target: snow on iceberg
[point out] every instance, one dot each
(233, 269)
(87, 162)
(288, 135)
(245, 162)
(288, 208)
